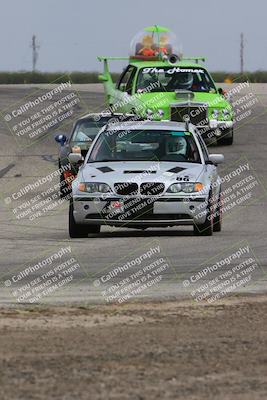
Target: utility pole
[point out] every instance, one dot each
(242, 53)
(34, 47)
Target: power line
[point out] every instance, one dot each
(242, 53)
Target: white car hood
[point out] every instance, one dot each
(140, 171)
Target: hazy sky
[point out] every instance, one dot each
(72, 33)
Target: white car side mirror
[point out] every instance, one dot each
(216, 158)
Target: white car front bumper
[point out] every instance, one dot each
(147, 211)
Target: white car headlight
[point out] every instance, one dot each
(175, 188)
(94, 187)
(185, 187)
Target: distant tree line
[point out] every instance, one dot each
(92, 77)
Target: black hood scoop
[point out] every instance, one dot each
(176, 170)
(105, 169)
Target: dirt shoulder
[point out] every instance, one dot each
(169, 350)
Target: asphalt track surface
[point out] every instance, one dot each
(25, 243)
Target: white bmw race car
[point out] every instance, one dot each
(146, 174)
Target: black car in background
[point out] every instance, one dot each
(80, 139)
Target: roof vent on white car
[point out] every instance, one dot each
(105, 169)
(176, 170)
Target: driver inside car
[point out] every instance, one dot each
(180, 81)
(198, 85)
(176, 145)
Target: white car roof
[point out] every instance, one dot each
(104, 114)
(146, 124)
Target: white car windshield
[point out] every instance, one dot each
(86, 130)
(145, 145)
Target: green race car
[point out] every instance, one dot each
(160, 84)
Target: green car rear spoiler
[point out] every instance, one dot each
(106, 76)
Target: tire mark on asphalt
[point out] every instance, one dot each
(49, 158)
(6, 169)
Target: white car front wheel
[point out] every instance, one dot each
(79, 230)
